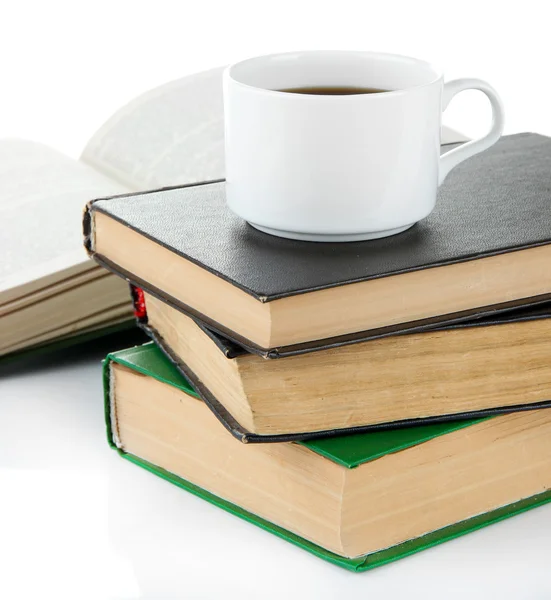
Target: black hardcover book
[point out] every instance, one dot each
(485, 249)
(460, 371)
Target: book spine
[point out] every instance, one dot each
(87, 229)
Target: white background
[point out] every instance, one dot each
(67, 66)
(76, 521)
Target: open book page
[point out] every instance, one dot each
(42, 194)
(171, 135)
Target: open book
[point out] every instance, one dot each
(49, 289)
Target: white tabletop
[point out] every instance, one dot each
(79, 522)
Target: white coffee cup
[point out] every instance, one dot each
(340, 167)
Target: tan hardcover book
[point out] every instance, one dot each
(478, 368)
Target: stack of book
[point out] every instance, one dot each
(363, 400)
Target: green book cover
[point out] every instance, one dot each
(348, 451)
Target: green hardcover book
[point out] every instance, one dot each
(359, 501)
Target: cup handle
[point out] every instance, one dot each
(451, 159)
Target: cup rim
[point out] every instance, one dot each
(228, 76)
